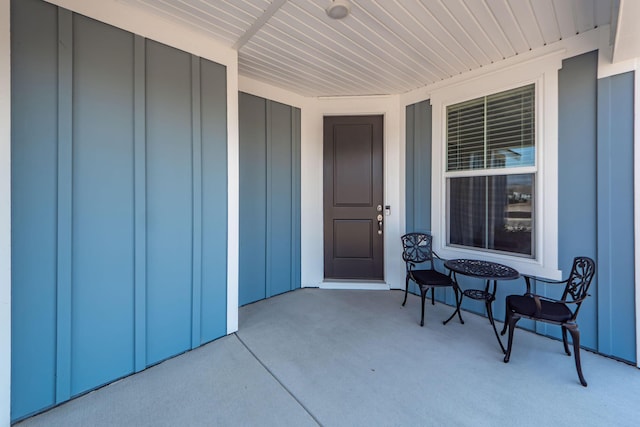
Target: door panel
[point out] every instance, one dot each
(353, 162)
(353, 239)
(352, 196)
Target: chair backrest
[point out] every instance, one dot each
(417, 248)
(582, 273)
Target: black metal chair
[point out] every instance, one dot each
(417, 249)
(549, 310)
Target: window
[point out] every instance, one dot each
(491, 172)
(494, 188)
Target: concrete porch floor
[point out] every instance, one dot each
(351, 358)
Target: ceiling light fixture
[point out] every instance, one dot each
(338, 9)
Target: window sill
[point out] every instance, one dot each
(524, 265)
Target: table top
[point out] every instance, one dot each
(482, 269)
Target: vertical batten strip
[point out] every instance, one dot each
(140, 207)
(292, 197)
(409, 172)
(603, 229)
(417, 167)
(269, 199)
(295, 197)
(636, 202)
(416, 184)
(6, 111)
(196, 192)
(65, 204)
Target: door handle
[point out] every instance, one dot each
(379, 218)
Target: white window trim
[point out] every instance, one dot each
(544, 73)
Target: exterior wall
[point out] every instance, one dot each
(153, 27)
(269, 198)
(595, 203)
(577, 197)
(130, 19)
(119, 183)
(312, 111)
(312, 166)
(418, 174)
(418, 167)
(615, 150)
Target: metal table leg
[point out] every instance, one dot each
(458, 303)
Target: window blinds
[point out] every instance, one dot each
(495, 131)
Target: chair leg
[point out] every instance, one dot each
(513, 319)
(433, 296)
(575, 337)
(564, 341)
(423, 295)
(507, 317)
(406, 290)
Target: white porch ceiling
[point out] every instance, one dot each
(383, 46)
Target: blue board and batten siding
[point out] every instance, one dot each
(269, 198)
(98, 170)
(119, 194)
(616, 292)
(418, 174)
(577, 179)
(595, 192)
(34, 154)
(595, 206)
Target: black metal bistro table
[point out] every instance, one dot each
(489, 271)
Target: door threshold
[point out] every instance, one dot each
(369, 285)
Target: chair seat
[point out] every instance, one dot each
(552, 311)
(431, 278)
(576, 288)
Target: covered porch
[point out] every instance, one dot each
(130, 157)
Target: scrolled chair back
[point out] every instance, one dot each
(417, 247)
(582, 273)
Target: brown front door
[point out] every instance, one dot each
(353, 239)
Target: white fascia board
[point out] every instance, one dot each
(152, 26)
(626, 42)
(273, 93)
(233, 197)
(606, 66)
(567, 48)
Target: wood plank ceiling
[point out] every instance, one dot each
(383, 46)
